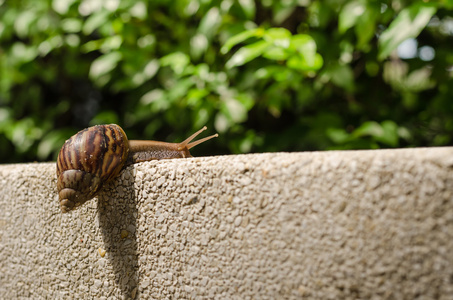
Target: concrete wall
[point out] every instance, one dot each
(323, 225)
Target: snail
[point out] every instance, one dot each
(96, 155)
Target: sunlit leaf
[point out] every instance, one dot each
(196, 95)
(390, 134)
(234, 110)
(370, 128)
(178, 61)
(408, 24)
(210, 23)
(349, 14)
(62, 6)
(199, 44)
(179, 89)
(269, 71)
(221, 122)
(105, 45)
(305, 62)
(94, 21)
(104, 64)
(248, 6)
(246, 100)
(71, 25)
(51, 143)
(303, 43)
(23, 23)
(48, 45)
(278, 36)
(275, 53)
(240, 37)
(24, 133)
(139, 10)
(337, 135)
(247, 53)
(22, 53)
(112, 43)
(92, 46)
(151, 96)
(366, 27)
(419, 80)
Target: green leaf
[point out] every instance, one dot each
(104, 64)
(105, 45)
(71, 25)
(306, 58)
(48, 45)
(390, 133)
(447, 4)
(305, 62)
(275, 53)
(408, 24)
(94, 21)
(210, 23)
(342, 76)
(199, 43)
(267, 71)
(51, 142)
(247, 142)
(23, 134)
(178, 61)
(221, 122)
(248, 7)
(139, 10)
(62, 6)
(22, 53)
(303, 43)
(179, 89)
(194, 96)
(349, 15)
(337, 135)
(370, 128)
(155, 95)
(246, 100)
(240, 37)
(234, 110)
(366, 26)
(247, 53)
(419, 80)
(24, 22)
(278, 36)
(386, 132)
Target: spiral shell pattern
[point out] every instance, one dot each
(88, 160)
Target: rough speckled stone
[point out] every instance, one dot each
(326, 225)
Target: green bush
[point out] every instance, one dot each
(267, 75)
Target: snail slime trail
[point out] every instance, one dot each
(96, 155)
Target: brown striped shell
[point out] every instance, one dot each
(97, 154)
(88, 160)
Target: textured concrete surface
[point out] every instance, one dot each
(319, 225)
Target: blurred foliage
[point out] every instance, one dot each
(267, 75)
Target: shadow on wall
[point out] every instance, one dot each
(118, 222)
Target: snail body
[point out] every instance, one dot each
(96, 155)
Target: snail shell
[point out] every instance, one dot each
(97, 154)
(88, 160)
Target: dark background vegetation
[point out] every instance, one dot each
(266, 75)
